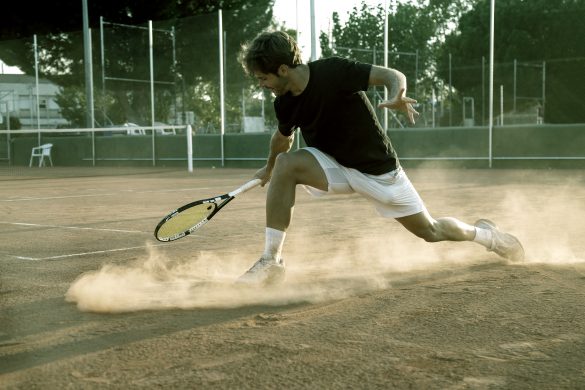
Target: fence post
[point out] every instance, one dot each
(189, 148)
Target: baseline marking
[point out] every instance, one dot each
(73, 227)
(106, 194)
(83, 253)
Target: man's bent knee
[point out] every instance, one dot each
(302, 167)
(289, 164)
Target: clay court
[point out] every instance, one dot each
(89, 299)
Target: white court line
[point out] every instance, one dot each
(83, 253)
(72, 227)
(107, 194)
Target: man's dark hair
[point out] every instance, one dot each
(268, 51)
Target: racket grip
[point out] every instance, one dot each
(246, 187)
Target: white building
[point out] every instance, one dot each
(18, 98)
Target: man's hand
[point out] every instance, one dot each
(263, 174)
(403, 104)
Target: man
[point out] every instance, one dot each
(348, 151)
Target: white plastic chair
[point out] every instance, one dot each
(41, 152)
(134, 129)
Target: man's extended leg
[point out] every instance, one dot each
(484, 232)
(433, 230)
(299, 167)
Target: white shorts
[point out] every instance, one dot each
(392, 193)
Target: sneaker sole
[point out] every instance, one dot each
(487, 224)
(275, 277)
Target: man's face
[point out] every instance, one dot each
(277, 84)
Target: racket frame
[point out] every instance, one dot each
(226, 198)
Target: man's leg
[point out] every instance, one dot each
(299, 167)
(433, 230)
(483, 232)
(290, 169)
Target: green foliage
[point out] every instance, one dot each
(415, 30)
(14, 123)
(73, 105)
(195, 49)
(531, 32)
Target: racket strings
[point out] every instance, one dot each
(186, 219)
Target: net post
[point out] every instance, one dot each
(189, 148)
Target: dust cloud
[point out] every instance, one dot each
(548, 221)
(551, 228)
(157, 282)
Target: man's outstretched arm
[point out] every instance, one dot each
(395, 83)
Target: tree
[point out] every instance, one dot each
(415, 30)
(530, 32)
(195, 23)
(11, 122)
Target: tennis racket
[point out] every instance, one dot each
(190, 217)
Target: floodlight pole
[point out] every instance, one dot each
(491, 86)
(151, 61)
(297, 21)
(313, 33)
(88, 67)
(37, 91)
(515, 84)
(386, 60)
(450, 94)
(103, 69)
(221, 87)
(543, 88)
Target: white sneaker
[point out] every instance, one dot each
(504, 244)
(264, 272)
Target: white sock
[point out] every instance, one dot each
(274, 243)
(483, 237)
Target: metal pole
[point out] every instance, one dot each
(543, 88)
(90, 104)
(90, 66)
(450, 94)
(103, 66)
(297, 21)
(386, 59)
(89, 118)
(174, 72)
(37, 92)
(416, 76)
(313, 33)
(482, 90)
(515, 85)
(221, 87)
(151, 60)
(501, 105)
(189, 148)
(31, 111)
(491, 86)
(8, 133)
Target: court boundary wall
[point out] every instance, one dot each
(526, 146)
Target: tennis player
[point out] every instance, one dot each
(348, 151)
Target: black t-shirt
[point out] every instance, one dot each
(336, 117)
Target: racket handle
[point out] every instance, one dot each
(246, 187)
